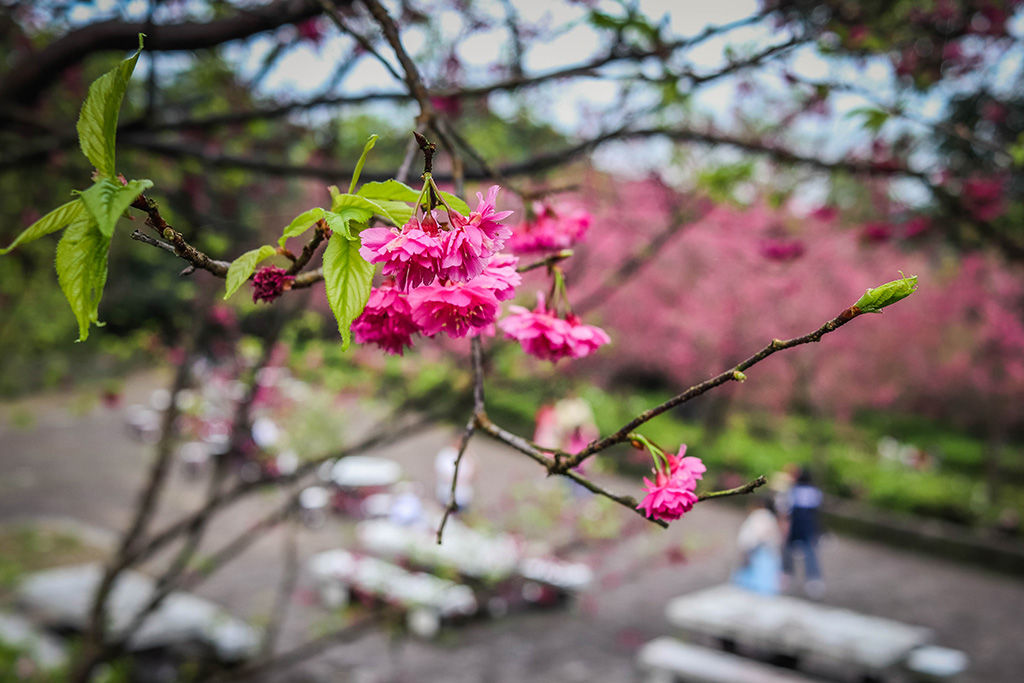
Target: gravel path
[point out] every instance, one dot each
(60, 458)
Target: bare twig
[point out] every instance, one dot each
(734, 374)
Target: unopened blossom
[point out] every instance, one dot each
(671, 494)
(411, 255)
(455, 308)
(269, 282)
(386, 321)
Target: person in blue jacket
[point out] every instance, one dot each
(804, 503)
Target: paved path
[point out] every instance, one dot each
(78, 463)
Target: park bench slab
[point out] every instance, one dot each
(667, 659)
(797, 628)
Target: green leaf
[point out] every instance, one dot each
(347, 279)
(877, 298)
(456, 203)
(243, 267)
(389, 189)
(301, 224)
(354, 207)
(370, 142)
(82, 270)
(59, 218)
(97, 124)
(874, 119)
(400, 212)
(108, 199)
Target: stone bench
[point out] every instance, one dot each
(666, 660)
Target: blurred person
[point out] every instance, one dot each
(760, 545)
(804, 505)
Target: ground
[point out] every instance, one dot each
(69, 458)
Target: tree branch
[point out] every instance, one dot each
(26, 81)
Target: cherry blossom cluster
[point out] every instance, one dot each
(451, 277)
(671, 494)
(439, 277)
(550, 230)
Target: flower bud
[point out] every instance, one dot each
(877, 298)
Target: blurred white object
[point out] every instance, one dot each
(193, 456)
(361, 471)
(313, 502)
(143, 424)
(264, 432)
(160, 399)
(287, 462)
(934, 663)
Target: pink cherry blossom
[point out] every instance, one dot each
(486, 219)
(543, 334)
(269, 283)
(412, 255)
(584, 339)
(386, 321)
(671, 495)
(551, 230)
(464, 258)
(455, 308)
(500, 276)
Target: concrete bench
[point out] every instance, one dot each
(666, 660)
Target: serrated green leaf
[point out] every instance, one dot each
(301, 224)
(388, 190)
(347, 280)
(243, 267)
(354, 207)
(370, 142)
(97, 123)
(82, 270)
(60, 217)
(456, 203)
(400, 212)
(108, 199)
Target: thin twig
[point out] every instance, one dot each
(734, 374)
(749, 487)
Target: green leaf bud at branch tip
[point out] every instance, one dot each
(877, 298)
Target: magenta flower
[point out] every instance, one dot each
(487, 220)
(500, 276)
(463, 256)
(455, 308)
(543, 334)
(412, 255)
(540, 332)
(386, 321)
(671, 494)
(584, 339)
(269, 282)
(551, 230)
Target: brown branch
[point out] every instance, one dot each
(182, 248)
(25, 81)
(554, 465)
(734, 374)
(749, 487)
(467, 434)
